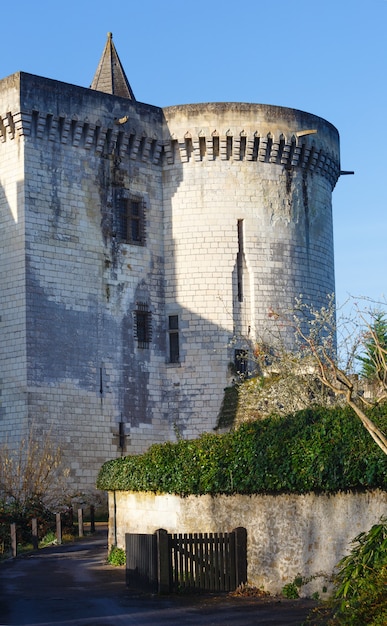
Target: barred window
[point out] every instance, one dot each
(143, 325)
(173, 330)
(131, 221)
(241, 362)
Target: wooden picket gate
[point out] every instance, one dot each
(167, 563)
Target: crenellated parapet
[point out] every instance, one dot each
(254, 133)
(123, 140)
(108, 140)
(290, 152)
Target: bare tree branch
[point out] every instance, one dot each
(316, 331)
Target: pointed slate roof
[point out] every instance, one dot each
(110, 76)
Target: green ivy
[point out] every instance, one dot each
(318, 449)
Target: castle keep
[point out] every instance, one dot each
(136, 244)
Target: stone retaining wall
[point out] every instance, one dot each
(287, 535)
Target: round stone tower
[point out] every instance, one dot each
(248, 224)
(143, 251)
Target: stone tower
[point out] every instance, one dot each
(137, 242)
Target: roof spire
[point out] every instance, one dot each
(110, 76)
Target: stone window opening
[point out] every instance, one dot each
(143, 325)
(173, 332)
(131, 221)
(240, 260)
(241, 362)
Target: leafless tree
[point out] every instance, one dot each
(32, 472)
(330, 350)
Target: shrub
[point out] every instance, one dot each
(10, 513)
(317, 449)
(116, 556)
(361, 583)
(290, 590)
(360, 593)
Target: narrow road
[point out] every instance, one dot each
(72, 585)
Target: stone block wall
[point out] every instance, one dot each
(13, 378)
(86, 373)
(248, 229)
(287, 535)
(236, 203)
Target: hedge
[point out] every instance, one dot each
(317, 449)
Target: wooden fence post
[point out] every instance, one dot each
(13, 539)
(58, 528)
(80, 522)
(163, 561)
(240, 555)
(92, 519)
(35, 539)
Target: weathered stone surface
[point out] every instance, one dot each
(287, 535)
(232, 194)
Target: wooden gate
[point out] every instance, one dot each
(187, 562)
(141, 561)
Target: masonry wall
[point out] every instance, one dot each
(13, 379)
(253, 207)
(237, 220)
(287, 535)
(85, 371)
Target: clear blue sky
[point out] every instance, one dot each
(326, 57)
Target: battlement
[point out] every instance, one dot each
(120, 139)
(252, 147)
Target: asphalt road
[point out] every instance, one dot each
(73, 585)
